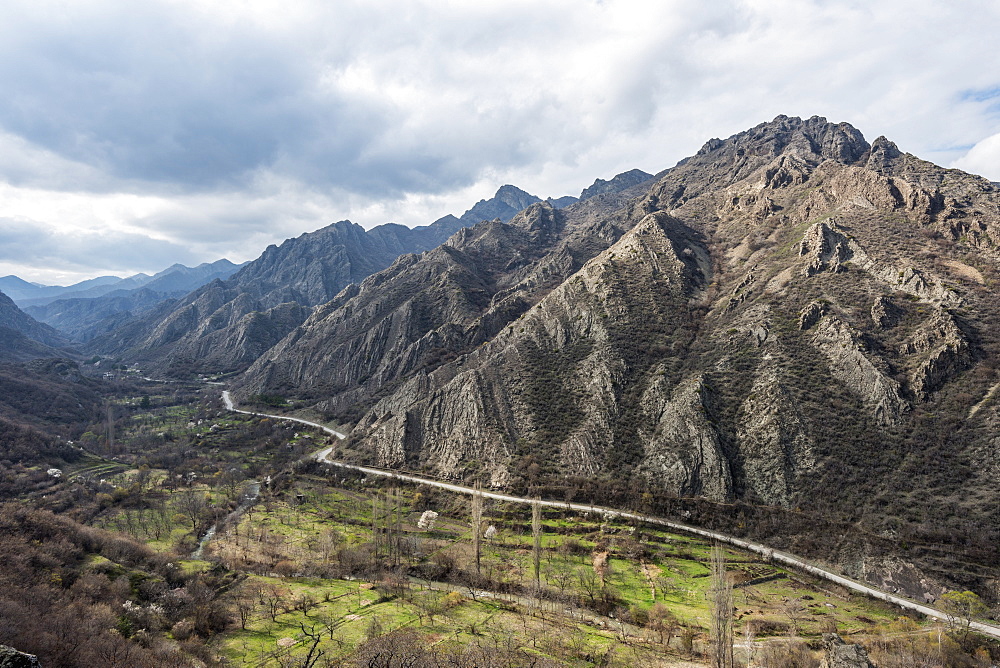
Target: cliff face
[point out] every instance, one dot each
(792, 317)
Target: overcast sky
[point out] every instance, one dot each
(138, 134)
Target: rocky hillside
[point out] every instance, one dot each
(791, 318)
(225, 325)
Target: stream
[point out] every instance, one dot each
(250, 494)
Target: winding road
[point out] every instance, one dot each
(227, 400)
(778, 556)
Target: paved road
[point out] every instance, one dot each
(785, 558)
(228, 401)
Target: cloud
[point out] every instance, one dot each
(983, 158)
(219, 126)
(63, 257)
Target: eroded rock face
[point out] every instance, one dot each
(884, 312)
(774, 440)
(827, 247)
(860, 371)
(683, 451)
(811, 314)
(824, 248)
(943, 351)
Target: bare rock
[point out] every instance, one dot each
(839, 654)
(824, 248)
(862, 374)
(773, 439)
(945, 351)
(827, 247)
(885, 313)
(684, 452)
(11, 658)
(811, 314)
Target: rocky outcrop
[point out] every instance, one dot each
(884, 312)
(824, 249)
(859, 371)
(11, 658)
(811, 314)
(683, 450)
(773, 440)
(840, 654)
(827, 247)
(943, 351)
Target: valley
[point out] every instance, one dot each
(331, 565)
(742, 410)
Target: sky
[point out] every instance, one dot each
(137, 135)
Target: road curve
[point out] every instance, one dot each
(227, 400)
(784, 558)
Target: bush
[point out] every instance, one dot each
(182, 630)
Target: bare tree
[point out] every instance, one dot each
(193, 505)
(663, 622)
(246, 601)
(536, 533)
(477, 524)
(721, 636)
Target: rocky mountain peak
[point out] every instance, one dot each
(882, 155)
(617, 184)
(813, 139)
(514, 197)
(508, 202)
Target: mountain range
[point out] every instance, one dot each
(176, 278)
(792, 319)
(24, 338)
(82, 311)
(226, 325)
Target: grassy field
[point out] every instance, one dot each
(333, 563)
(600, 581)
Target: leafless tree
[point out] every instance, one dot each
(721, 635)
(477, 524)
(536, 534)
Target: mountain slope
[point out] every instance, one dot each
(24, 338)
(225, 325)
(747, 328)
(429, 308)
